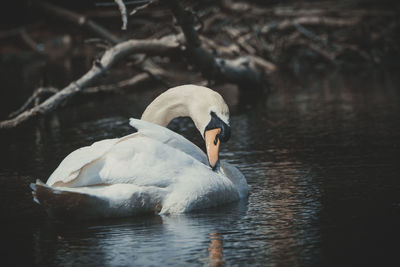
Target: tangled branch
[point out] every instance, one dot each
(110, 57)
(124, 16)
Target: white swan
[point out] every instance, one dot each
(152, 170)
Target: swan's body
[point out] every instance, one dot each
(153, 170)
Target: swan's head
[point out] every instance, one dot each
(210, 114)
(216, 131)
(206, 107)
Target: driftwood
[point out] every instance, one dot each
(141, 7)
(33, 99)
(303, 9)
(237, 71)
(320, 21)
(106, 88)
(124, 16)
(150, 71)
(111, 56)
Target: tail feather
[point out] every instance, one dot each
(64, 205)
(90, 203)
(33, 186)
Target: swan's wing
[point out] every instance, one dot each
(237, 178)
(140, 160)
(168, 137)
(87, 159)
(133, 159)
(70, 167)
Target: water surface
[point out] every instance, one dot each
(321, 156)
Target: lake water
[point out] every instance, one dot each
(321, 156)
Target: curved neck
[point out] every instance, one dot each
(166, 107)
(196, 102)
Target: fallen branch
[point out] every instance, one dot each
(325, 53)
(307, 9)
(315, 20)
(33, 99)
(263, 64)
(231, 50)
(151, 71)
(328, 10)
(242, 7)
(31, 43)
(309, 34)
(124, 16)
(109, 58)
(106, 88)
(127, 3)
(136, 9)
(22, 33)
(216, 69)
(243, 42)
(77, 19)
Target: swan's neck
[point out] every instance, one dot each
(196, 102)
(166, 107)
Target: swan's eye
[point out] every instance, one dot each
(216, 139)
(217, 123)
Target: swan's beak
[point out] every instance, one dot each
(212, 145)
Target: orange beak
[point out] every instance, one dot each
(212, 145)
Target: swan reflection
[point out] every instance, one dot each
(187, 239)
(215, 250)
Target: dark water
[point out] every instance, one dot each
(321, 156)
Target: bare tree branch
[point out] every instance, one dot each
(231, 50)
(213, 68)
(124, 16)
(136, 9)
(135, 80)
(40, 91)
(310, 20)
(320, 9)
(77, 19)
(110, 57)
(31, 43)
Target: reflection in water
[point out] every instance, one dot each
(172, 240)
(215, 250)
(287, 200)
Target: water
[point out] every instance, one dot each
(320, 155)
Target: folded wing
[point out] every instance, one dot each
(127, 159)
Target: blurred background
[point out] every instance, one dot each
(50, 44)
(313, 89)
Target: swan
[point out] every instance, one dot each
(153, 170)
